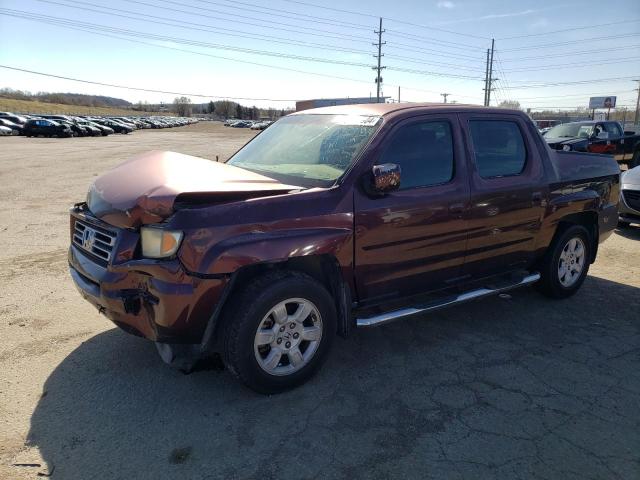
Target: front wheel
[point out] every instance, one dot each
(566, 263)
(279, 330)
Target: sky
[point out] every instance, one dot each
(272, 53)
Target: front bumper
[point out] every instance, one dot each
(155, 299)
(626, 212)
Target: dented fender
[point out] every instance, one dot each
(230, 254)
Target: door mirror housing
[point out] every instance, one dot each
(385, 178)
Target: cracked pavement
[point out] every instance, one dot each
(520, 387)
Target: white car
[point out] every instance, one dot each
(5, 130)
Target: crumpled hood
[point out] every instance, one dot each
(146, 188)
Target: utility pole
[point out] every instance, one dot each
(445, 95)
(398, 93)
(379, 56)
(486, 79)
(490, 82)
(635, 119)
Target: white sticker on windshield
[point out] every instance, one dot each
(356, 120)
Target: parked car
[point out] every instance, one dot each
(15, 128)
(597, 137)
(260, 125)
(77, 130)
(46, 128)
(332, 219)
(117, 127)
(18, 119)
(104, 130)
(5, 131)
(629, 197)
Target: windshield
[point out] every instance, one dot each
(567, 130)
(307, 150)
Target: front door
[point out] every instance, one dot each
(413, 240)
(508, 194)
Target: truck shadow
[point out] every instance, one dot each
(484, 387)
(632, 232)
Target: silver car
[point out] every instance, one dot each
(629, 197)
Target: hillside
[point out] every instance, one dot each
(29, 106)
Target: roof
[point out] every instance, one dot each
(382, 109)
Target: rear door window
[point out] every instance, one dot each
(424, 151)
(613, 129)
(498, 147)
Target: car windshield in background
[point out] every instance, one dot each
(572, 130)
(307, 150)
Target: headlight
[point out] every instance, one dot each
(159, 243)
(566, 148)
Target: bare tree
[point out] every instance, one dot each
(512, 104)
(225, 108)
(182, 106)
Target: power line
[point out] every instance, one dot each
(385, 18)
(200, 95)
(571, 65)
(166, 47)
(574, 95)
(430, 51)
(275, 67)
(445, 43)
(283, 13)
(313, 20)
(63, 21)
(234, 20)
(570, 29)
(208, 28)
(60, 21)
(578, 82)
(431, 73)
(571, 42)
(566, 54)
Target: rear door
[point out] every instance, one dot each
(509, 193)
(414, 239)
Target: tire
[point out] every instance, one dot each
(553, 283)
(254, 308)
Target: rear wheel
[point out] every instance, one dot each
(566, 264)
(279, 331)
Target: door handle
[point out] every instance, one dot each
(456, 208)
(536, 198)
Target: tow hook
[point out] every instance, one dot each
(132, 300)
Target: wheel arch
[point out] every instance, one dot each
(324, 268)
(589, 220)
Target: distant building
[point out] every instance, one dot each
(331, 102)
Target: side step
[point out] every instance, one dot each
(460, 298)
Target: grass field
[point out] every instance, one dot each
(27, 106)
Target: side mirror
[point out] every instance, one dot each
(386, 178)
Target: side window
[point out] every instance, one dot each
(600, 132)
(424, 152)
(613, 129)
(498, 148)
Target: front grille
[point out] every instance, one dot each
(632, 198)
(97, 241)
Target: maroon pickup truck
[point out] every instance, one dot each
(332, 219)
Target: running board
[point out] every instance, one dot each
(461, 298)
